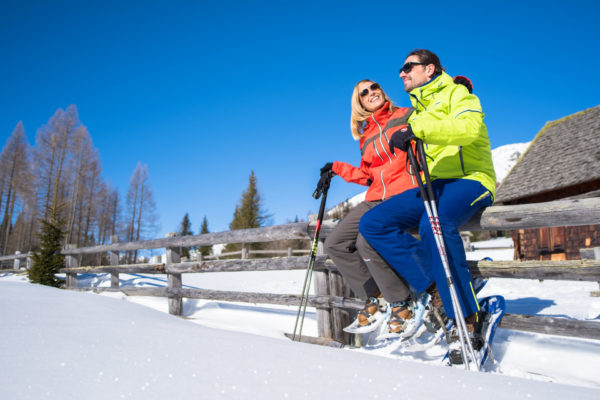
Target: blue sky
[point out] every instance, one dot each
(205, 91)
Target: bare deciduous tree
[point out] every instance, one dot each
(141, 208)
(15, 178)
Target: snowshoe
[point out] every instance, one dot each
(405, 320)
(492, 309)
(435, 323)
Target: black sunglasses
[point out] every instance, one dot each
(373, 88)
(406, 68)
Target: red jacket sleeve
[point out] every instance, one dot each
(352, 174)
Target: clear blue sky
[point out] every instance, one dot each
(203, 92)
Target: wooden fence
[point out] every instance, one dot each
(332, 299)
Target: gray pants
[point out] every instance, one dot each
(360, 265)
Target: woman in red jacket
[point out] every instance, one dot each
(373, 120)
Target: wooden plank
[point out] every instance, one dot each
(121, 269)
(571, 270)
(15, 256)
(528, 323)
(295, 230)
(218, 295)
(574, 270)
(321, 341)
(259, 264)
(552, 326)
(572, 212)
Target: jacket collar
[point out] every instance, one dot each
(380, 114)
(423, 93)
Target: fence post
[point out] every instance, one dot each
(596, 293)
(114, 260)
(289, 251)
(340, 318)
(322, 289)
(29, 262)
(71, 261)
(244, 251)
(17, 262)
(174, 280)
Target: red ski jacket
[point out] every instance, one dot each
(387, 172)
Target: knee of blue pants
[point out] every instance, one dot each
(370, 225)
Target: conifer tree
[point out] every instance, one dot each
(47, 259)
(205, 250)
(185, 229)
(248, 213)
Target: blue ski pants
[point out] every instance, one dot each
(419, 261)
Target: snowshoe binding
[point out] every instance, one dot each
(405, 318)
(481, 329)
(370, 317)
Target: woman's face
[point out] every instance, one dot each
(371, 96)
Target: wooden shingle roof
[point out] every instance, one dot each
(564, 153)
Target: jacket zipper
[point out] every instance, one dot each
(383, 184)
(462, 162)
(381, 141)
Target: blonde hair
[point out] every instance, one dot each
(359, 114)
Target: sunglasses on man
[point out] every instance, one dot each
(406, 68)
(365, 91)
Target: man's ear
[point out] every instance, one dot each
(430, 70)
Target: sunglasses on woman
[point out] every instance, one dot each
(373, 88)
(406, 68)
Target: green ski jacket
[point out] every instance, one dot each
(449, 120)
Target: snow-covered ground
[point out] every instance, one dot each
(62, 344)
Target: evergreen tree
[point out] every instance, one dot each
(205, 250)
(185, 229)
(47, 259)
(248, 213)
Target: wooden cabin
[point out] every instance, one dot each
(563, 161)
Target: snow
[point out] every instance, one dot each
(62, 344)
(505, 157)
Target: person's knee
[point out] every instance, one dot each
(370, 224)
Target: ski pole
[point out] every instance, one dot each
(431, 209)
(313, 255)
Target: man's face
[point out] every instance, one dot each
(417, 75)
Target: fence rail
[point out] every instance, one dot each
(332, 299)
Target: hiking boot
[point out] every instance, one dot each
(399, 317)
(474, 325)
(435, 316)
(368, 314)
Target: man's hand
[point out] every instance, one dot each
(401, 139)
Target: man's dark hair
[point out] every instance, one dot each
(428, 57)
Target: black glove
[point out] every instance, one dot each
(369, 182)
(466, 82)
(323, 184)
(401, 139)
(324, 181)
(326, 168)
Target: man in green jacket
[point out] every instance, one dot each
(449, 121)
